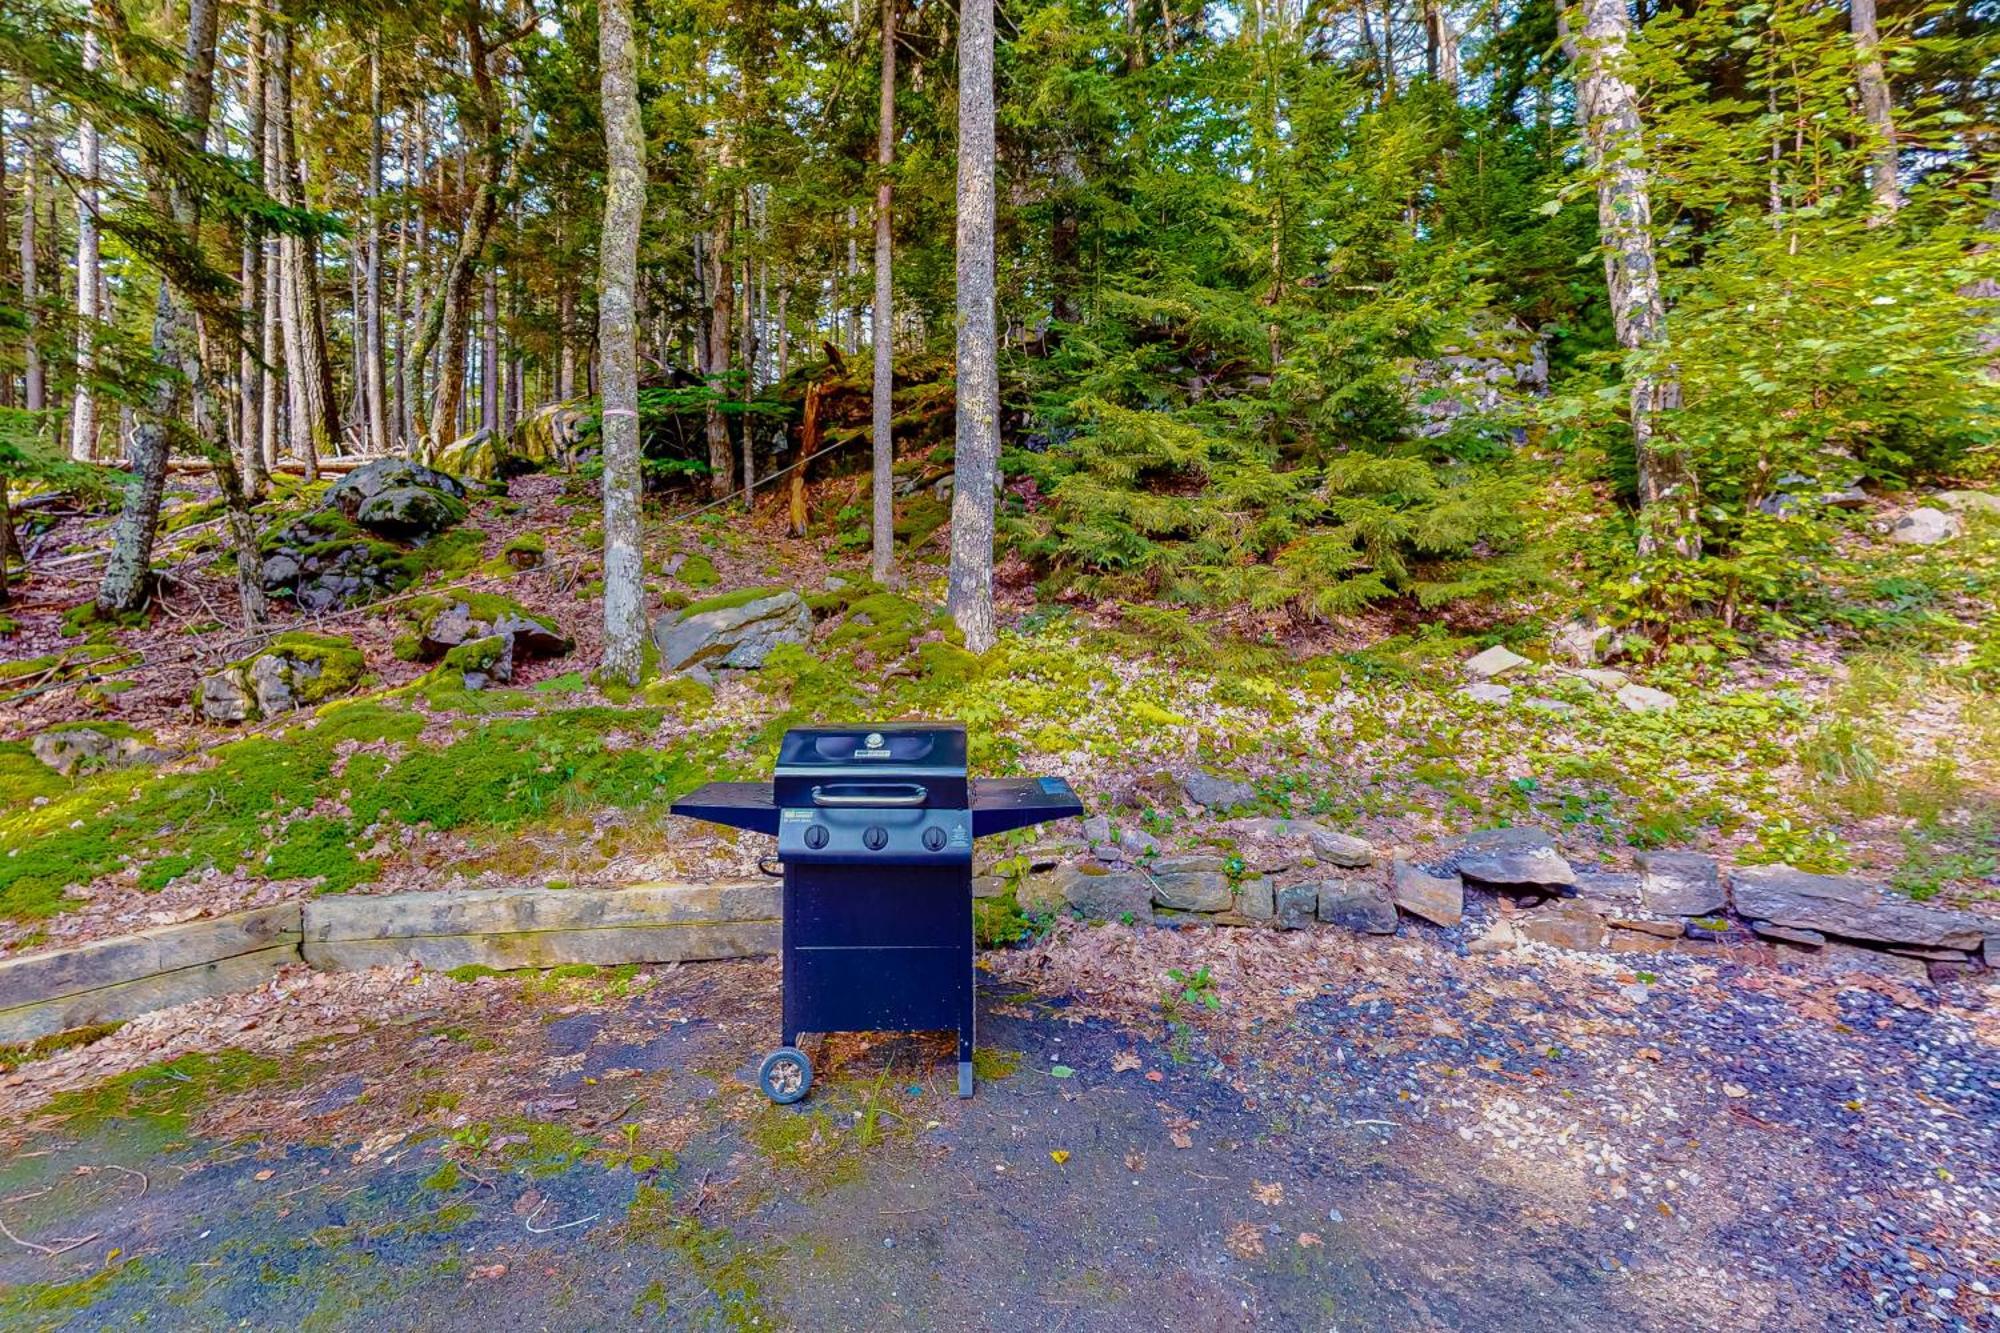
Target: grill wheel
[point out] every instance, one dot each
(786, 1075)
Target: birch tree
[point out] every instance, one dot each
(976, 461)
(1614, 141)
(1873, 84)
(883, 472)
(83, 407)
(617, 339)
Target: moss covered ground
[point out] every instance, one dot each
(1863, 737)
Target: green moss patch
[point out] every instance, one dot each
(730, 600)
(698, 571)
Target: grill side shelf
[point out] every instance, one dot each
(1001, 804)
(745, 805)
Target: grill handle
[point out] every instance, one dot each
(882, 794)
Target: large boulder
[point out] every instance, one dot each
(1526, 857)
(477, 456)
(295, 670)
(552, 436)
(355, 489)
(737, 629)
(71, 748)
(1848, 908)
(409, 511)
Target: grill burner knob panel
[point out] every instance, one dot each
(875, 838)
(816, 836)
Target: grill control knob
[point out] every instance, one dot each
(816, 836)
(934, 839)
(875, 837)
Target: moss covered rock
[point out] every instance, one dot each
(737, 629)
(481, 635)
(295, 670)
(87, 747)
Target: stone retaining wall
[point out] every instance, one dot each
(111, 980)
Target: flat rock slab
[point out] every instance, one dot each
(1511, 856)
(1363, 905)
(1680, 883)
(1495, 661)
(1435, 898)
(1848, 908)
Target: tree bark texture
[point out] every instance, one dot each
(373, 352)
(882, 476)
(1614, 141)
(83, 407)
(978, 443)
(617, 341)
(1873, 84)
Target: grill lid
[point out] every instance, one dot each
(889, 764)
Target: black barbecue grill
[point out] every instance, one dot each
(875, 827)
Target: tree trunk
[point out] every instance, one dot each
(976, 462)
(371, 377)
(1440, 44)
(749, 382)
(489, 353)
(1876, 106)
(445, 324)
(884, 453)
(249, 373)
(34, 376)
(1615, 143)
(400, 421)
(617, 341)
(124, 585)
(83, 410)
(851, 337)
(315, 422)
(566, 366)
(720, 293)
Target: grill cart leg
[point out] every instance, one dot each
(965, 1054)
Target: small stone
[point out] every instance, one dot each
(1482, 692)
(1680, 883)
(1926, 527)
(1342, 849)
(1362, 905)
(1435, 898)
(1645, 699)
(1255, 898)
(1637, 941)
(1190, 890)
(82, 748)
(1111, 897)
(1579, 642)
(1565, 925)
(988, 886)
(1612, 887)
(1097, 828)
(1495, 661)
(1212, 792)
(1969, 502)
(1849, 957)
(1294, 905)
(1659, 929)
(1500, 938)
(1789, 934)
(1603, 678)
(1555, 706)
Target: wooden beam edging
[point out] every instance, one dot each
(123, 977)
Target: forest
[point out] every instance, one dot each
(1489, 508)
